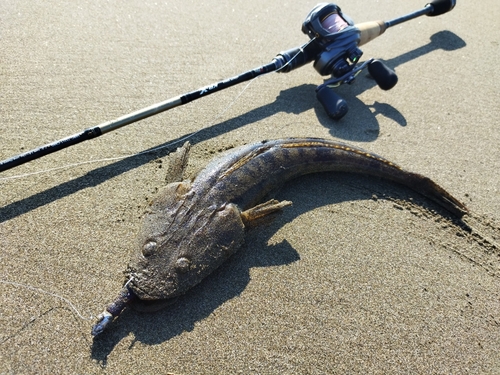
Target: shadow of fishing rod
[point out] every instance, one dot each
(286, 101)
(295, 100)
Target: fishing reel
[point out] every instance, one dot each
(334, 48)
(337, 39)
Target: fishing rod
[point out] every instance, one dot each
(333, 46)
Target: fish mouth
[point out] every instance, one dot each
(135, 286)
(152, 288)
(145, 302)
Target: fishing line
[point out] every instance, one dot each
(71, 305)
(39, 290)
(217, 117)
(183, 139)
(74, 165)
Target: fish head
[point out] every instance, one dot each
(183, 239)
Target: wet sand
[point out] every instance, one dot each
(358, 276)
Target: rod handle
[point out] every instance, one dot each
(370, 30)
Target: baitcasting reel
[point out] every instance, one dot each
(334, 47)
(339, 40)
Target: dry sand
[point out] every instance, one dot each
(359, 276)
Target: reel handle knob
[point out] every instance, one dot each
(385, 77)
(334, 105)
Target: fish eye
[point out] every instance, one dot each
(182, 264)
(149, 248)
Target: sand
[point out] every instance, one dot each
(358, 276)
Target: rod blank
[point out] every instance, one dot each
(138, 115)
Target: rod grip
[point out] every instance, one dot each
(370, 30)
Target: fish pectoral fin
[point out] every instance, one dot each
(263, 213)
(177, 163)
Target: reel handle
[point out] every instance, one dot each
(385, 77)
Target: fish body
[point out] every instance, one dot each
(193, 226)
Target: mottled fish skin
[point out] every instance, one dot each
(192, 227)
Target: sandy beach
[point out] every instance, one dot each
(360, 275)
